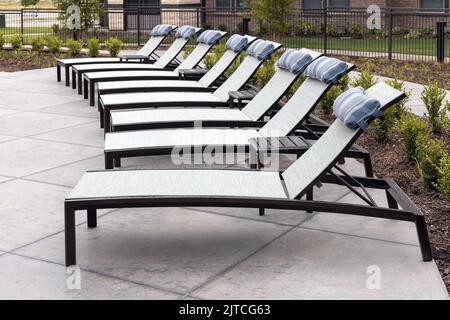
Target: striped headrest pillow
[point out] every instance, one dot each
(161, 30)
(355, 109)
(237, 43)
(294, 60)
(209, 37)
(185, 32)
(326, 69)
(261, 49)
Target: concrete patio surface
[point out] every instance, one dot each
(49, 137)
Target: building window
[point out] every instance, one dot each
(312, 4)
(432, 4)
(222, 3)
(318, 4)
(229, 4)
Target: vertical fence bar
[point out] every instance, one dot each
(440, 32)
(390, 34)
(21, 23)
(325, 29)
(138, 26)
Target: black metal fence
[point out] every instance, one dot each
(400, 34)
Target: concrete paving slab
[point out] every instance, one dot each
(169, 247)
(88, 134)
(26, 156)
(70, 174)
(306, 264)
(31, 123)
(74, 108)
(4, 138)
(24, 278)
(17, 100)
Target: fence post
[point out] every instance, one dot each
(390, 35)
(245, 27)
(21, 23)
(440, 32)
(139, 26)
(198, 17)
(325, 29)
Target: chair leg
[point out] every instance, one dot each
(310, 197)
(424, 240)
(117, 162)
(67, 76)
(261, 212)
(109, 161)
(92, 218)
(74, 80)
(368, 165)
(85, 89)
(91, 93)
(391, 201)
(58, 73)
(69, 233)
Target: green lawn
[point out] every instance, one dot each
(399, 45)
(9, 31)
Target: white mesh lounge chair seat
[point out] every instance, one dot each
(124, 66)
(160, 98)
(131, 74)
(135, 183)
(141, 84)
(178, 138)
(89, 60)
(128, 117)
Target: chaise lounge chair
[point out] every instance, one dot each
(234, 46)
(165, 62)
(205, 42)
(126, 144)
(146, 53)
(289, 67)
(252, 188)
(258, 52)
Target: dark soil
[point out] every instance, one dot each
(389, 161)
(10, 61)
(413, 71)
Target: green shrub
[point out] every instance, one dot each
(385, 125)
(2, 40)
(211, 59)
(326, 103)
(305, 29)
(55, 28)
(16, 42)
(38, 44)
(74, 47)
(53, 44)
(430, 155)
(222, 27)
(114, 45)
(415, 133)
(265, 72)
(443, 184)
(356, 30)
(433, 98)
(365, 80)
(94, 47)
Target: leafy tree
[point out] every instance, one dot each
(26, 3)
(90, 11)
(272, 14)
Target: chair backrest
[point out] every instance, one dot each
(223, 63)
(153, 43)
(243, 73)
(173, 51)
(199, 52)
(274, 90)
(306, 171)
(299, 106)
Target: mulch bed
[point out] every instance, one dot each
(389, 161)
(11, 62)
(413, 71)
